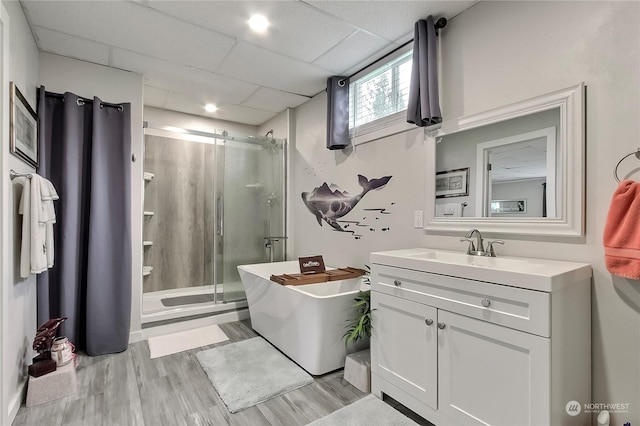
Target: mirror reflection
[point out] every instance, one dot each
(511, 169)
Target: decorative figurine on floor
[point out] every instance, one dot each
(43, 364)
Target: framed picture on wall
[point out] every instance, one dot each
(23, 127)
(509, 206)
(452, 183)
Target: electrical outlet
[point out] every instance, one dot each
(417, 219)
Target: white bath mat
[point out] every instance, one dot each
(185, 340)
(368, 411)
(249, 372)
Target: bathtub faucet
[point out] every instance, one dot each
(269, 245)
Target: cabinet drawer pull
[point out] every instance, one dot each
(428, 321)
(486, 302)
(441, 325)
(397, 283)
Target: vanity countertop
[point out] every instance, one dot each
(533, 274)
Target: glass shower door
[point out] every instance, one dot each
(250, 208)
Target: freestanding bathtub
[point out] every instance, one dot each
(305, 322)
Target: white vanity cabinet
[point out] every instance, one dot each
(487, 341)
(407, 364)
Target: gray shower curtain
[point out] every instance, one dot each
(424, 103)
(85, 149)
(338, 113)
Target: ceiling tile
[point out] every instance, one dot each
(133, 27)
(258, 66)
(73, 47)
(180, 78)
(244, 114)
(191, 52)
(390, 19)
(288, 21)
(355, 48)
(229, 112)
(371, 59)
(274, 100)
(405, 38)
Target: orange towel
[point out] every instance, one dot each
(622, 231)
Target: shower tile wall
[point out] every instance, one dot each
(181, 195)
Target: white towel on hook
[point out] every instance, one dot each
(48, 195)
(449, 210)
(37, 247)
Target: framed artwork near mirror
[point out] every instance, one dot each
(23, 128)
(532, 149)
(452, 183)
(508, 206)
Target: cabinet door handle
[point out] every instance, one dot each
(428, 321)
(397, 283)
(486, 302)
(441, 325)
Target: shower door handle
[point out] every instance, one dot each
(220, 216)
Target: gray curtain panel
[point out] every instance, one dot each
(424, 104)
(85, 152)
(338, 113)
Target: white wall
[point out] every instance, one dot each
(279, 124)
(61, 74)
(18, 295)
(166, 117)
(400, 156)
(530, 190)
(494, 54)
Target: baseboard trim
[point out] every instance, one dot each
(188, 324)
(135, 336)
(16, 401)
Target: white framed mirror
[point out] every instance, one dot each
(525, 168)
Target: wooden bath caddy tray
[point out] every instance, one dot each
(321, 277)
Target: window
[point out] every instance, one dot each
(379, 98)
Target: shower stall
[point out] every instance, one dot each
(212, 201)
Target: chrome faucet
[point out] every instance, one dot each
(269, 245)
(477, 248)
(479, 241)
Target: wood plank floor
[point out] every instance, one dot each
(131, 389)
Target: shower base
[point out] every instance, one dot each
(189, 302)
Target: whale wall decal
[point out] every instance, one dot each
(330, 205)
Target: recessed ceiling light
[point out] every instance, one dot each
(210, 108)
(258, 23)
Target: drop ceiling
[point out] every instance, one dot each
(195, 52)
(519, 161)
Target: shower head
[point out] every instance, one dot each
(269, 134)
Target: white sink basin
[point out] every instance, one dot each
(535, 274)
(504, 263)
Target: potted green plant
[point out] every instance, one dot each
(359, 328)
(357, 367)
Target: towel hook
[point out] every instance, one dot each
(615, 170)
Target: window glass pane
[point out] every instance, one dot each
(377, 98)
(404, 79)
(352, 113)
(381, 93)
